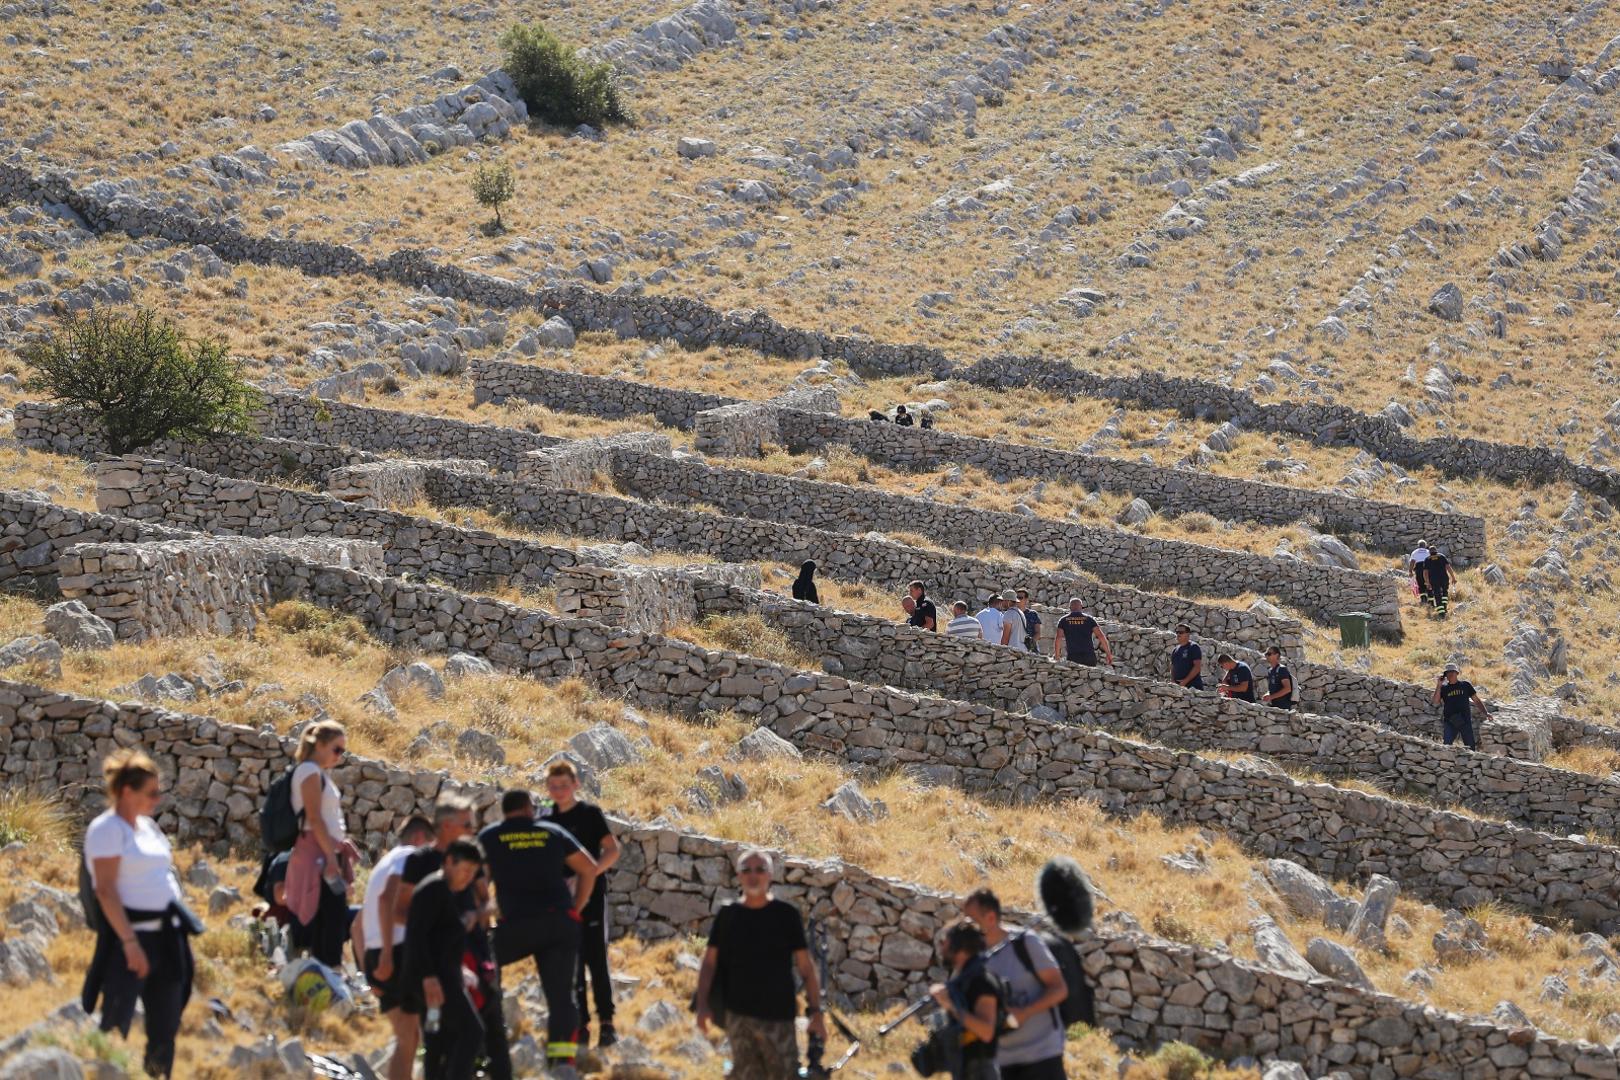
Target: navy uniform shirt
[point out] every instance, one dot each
(1182, 658)
(1274, 684)
(1239, 674)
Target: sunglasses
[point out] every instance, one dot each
(340, 750)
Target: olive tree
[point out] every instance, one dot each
(141, 377)
(493, 186)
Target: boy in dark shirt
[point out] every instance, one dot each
(436, 946)
(1187, 660)
(1078, 635)
(1238, 682)
(589, 826)
(1279, 681)
(755, 945)
(530, 861)
(1455, 696)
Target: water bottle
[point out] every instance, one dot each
(430, 1025)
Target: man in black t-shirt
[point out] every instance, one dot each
(1279, 681)
(923, 614)
(1078, 636)
(1438, 576)
(1238, 682)
(1187, 660)
(530, 862)
(754, 946)
(1455, 696)
(436, 945)
(589, 826)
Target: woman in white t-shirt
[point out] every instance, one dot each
(321, 868)
(143, 951)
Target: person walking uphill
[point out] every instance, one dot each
(1187, 660)
(1414, 566)
(588, 825)
(1437, 573)
(143, 946)
(1078, 637)
(804, 586)
(755, 944)
(541, 916)
(321, 869)
(438, 928)
(1455, 698)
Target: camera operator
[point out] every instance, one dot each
(974, 1002)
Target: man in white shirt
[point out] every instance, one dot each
(1014, 629)
(1414, 566)
(384, 943)
(990, 622)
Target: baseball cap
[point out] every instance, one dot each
(1010, 596)
(1452, 667)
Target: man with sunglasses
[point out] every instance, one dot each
(755, 945)
(1187, 660)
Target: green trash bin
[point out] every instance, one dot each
(1354, 632)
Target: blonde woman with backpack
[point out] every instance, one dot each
(321, 870)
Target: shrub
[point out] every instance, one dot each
(493, 185)
(32, 818)
(141, 377)
(557, 84)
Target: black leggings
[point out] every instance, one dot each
(163, 993)
(593, 959)
(451, 1052)
(326, 933)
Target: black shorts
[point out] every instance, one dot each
(1084, 661)
(1282, 702)
(389, 992)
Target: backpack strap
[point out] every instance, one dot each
(1021, 950)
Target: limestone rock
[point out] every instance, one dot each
(223, 898)
(480, 746)
(75, 626)
(1509, 1015)
(1136, 513)
(727, 787)
(202, 875)
(761, 744)
(659, 1015)
(416, 677)
(1285, 1070)
(33, 650)
(22, 963)
(555, 333)
(1336, 962)
(692, 147)
(43, 1063)
(1367, 928)
(462, 665)
(1275, 951)
(375, 700)
(1308, 896)
(850, 803)
(605, 747)
(1447, 303)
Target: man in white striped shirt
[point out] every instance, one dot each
(962, 624)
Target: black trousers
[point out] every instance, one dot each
(552, 938)
(163, 993)
(326, 933)
(451, 1052)
(593, 960)
(1048, 1069)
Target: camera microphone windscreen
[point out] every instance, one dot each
(1065, 893)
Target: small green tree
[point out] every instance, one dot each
(141, 377)
(558, 86)
(494, 185)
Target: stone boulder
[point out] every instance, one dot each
(605, 747)
(555, 333)
(1136, 513)
(1367, 928)
(42, 1063)
(480, 746)
(727, 787)
(1308, 896)
(75, 626)
(691, 147)
(22, 963)
(1275, 951)
(412, 677)
(33, 650)
(762, 744)
(462, 665)
(851, 804)
(1336, 962)
(1447, 303)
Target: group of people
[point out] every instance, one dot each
(1431, 576)
(441, 914)
(902, 417)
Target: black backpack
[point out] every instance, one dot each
(1078, 1007)
(279, 823)
(88, 899)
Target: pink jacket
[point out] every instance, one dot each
(304, 872)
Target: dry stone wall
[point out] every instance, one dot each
(1446, 857)
(391, 482)
(695, 324)
(1110, 554)
(888, 653)
(575, 464)
(655, 598)
(668, 882)
(568, 391)
(203, 586)
(35, 532)
(145, 490)
(841, 555)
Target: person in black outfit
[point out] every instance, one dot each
(922, 612)
(452, 821)
(927, 420)
(1238, 682)
(755, 945)
(974, 1002)
(540, 915)
(1187, 660)
(877, 417)
(901, 416)
(1078, 635)
(1279, 681)
(804, 586)
(1437, 574)
(1455, 696)
(588, 825)
(438, 926)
